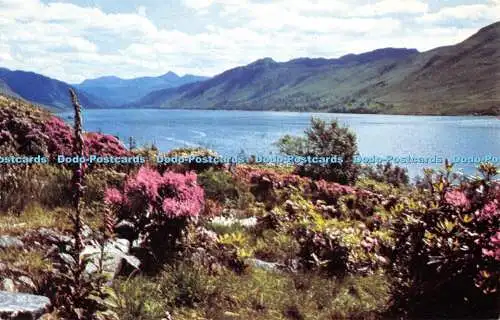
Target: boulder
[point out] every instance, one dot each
(228, 222)
(10, 242)
(8, 285)
(264, 265)
(114, 252)
(21, 306)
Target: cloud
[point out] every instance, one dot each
(464, 12)
(72, 42)
(198, 4)
(385, 7)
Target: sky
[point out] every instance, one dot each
(74, 40)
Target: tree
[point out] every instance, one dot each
(324, 140)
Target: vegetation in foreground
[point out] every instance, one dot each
(215, 242)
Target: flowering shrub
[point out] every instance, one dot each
(447, 251)
(335, 246)
(189, 166)
(104, 145)
(323, 139)
(60, 136)
(159, 206)
(60, 141)
(273, 188)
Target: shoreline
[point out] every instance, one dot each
(291, 111)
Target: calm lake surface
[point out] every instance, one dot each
(230, 132)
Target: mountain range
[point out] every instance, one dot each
(42, 90)
(453, 80)
(458, 79)
(116, 91)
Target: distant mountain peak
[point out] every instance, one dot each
(170, 74)
(264, 61)
(494, 27)
(490, 32)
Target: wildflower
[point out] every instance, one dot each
(457, 198)
(146, 181)
(113, 196)
(489, 211)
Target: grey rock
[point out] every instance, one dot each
(246, 223)
(86, 231)
(268, 266)
(27, 281)
(114, 252)
(22, 306)
(53, 236)
(10, 242)
(8, 285)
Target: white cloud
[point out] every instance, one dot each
(141, 10)
(198, 4)
(392, 7)
(71, 42)
(464, 12)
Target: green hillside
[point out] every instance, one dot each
(458, 79)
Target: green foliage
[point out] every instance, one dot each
(272, 245)
(185, 285)
(218, 185)
(447, 258)
(324, 140)
(135, 298)
(221, 186)
(387, 173)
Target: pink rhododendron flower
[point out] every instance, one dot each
(489, 211)
(113, 196)
(174, 194)
(146, 181)
(494, 252)
(495, 240)
(457, 198)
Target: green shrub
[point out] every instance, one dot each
(447, 256)
(185, 285)
(387, 173)
(218, 185)
(136, 299)
(325, 140)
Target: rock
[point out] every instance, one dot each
(8, 285)
(22, 306)
(114, 252)
(53, 236)
(228, 222)
(86, 231)
(10, 242)
(268, 266)
(248, 222)
(27, 281)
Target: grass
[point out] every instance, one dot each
(190, 292)
(30, 261)
(33, 218)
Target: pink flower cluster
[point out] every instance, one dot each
(104, 145)
(60, 136)
(457, 199)
(173, 194)
(60, 140)
(494, 245)
(489, 211)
